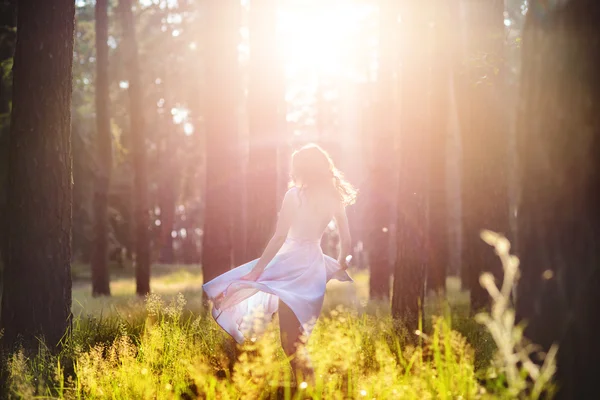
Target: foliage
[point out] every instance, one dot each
(172, 355)
(168, 34)
(513, 362)
(167, 347)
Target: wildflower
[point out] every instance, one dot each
(303, 385)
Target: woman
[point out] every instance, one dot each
(291, 274)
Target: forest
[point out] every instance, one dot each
(145, 150)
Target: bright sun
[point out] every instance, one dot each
(326, 46)
(322, 37)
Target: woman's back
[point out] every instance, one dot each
(314, 211)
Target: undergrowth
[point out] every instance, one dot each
(163, 351)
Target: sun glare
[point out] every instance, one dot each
(321, 38)
(326, 47)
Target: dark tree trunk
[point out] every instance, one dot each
(265, 97)
(381, 160)
(221, 132)
(99, 261)
(437, 195)
(484, 139)
(36, 300)
(138, 151)
(412, 246)
(558, 142)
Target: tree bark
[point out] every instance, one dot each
(138, 151)
(439, 107)
(221, 132)
(381, 160)
(484, 139)
(264, 100)
(412, 245)
(99, 261)
(558, 142)
(36, 300)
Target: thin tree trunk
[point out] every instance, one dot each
(99, 261)
(221, 132)
(264, 102)
(439, 99)
(167, 219)
(558, 142)
(36, 301)
(381, 160)
(169, 182)
(484, 139)
(412, 245)
(138, 150)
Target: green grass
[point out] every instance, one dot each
(165, 347)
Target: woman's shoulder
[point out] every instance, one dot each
(292, 195)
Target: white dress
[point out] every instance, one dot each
(297, 275)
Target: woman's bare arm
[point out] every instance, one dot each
(341, 220)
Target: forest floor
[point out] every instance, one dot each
(165, 347)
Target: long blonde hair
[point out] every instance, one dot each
(312, 168)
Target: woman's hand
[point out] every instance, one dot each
(252, 275)
(343, 263)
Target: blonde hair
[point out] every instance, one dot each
(312, 167)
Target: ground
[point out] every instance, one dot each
(166, 347)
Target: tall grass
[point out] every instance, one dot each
(355, 356)
(160, 350)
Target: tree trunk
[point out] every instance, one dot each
(265, 94)
(439, 107)
(138, 151)
(221, 132)
(36, 301)
(99, 261)
(484, 139)
(381, 160)
(412, 246)
(167, 219)
(169, 182)
(558, 142)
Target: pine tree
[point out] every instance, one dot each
(221, 132)
(36, 297)
(99, 261)
(558, 142)
(137, 130)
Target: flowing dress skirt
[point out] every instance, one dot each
(297, 275)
